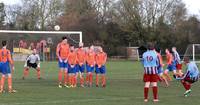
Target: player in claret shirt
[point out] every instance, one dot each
(101, 58)
(90, 60)
(81, 59)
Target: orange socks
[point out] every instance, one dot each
(2, 83)
(60, 76)
(82, 81)
(90, 78)
(38, 73)
(103, 80)
(97, 79)
(65, 78)
(26, 72)
(10, 83)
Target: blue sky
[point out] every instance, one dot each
(192, 5)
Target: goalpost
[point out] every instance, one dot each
(21, 42)
(193, 52)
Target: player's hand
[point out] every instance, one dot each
(163, 65)
(81, 64)
(65, 61)
(60, 59)
(25, 65)
(99, 66)
(72, 66)
(92, 65)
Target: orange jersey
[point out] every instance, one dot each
(91, 58)
(62, 50)
(72, 59)
(5, 56)
(160, 59)
(101, 58)
(81, 56)
(169, 58)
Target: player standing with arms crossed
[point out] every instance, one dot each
(33, 61)
(150, 60)
(90, 60)
(6, 60)
(101, 58)
(191, 75)
(62, 52)
(81, 58)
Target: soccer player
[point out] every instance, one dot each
(33, 61)
(90, 60)
(177, 61)
(6, 60)
(160, 68)
(191, 75)
(171, 65)
(72, 61)
(81, 59)
(101, 58)
(150, 77)
(62, 52)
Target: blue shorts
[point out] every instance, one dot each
(80, 68)
(160, 70)
(171, 67)
(71, 70)
(5, 68)
(101, 70)
(89, 68)
(62, 65)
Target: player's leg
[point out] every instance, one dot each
(76, 71)
(60, 73)
(166, 73)
(97, 71)
(146, 79)
(66, 69)
(103, 76)
(10, 88)
(187, 86)
(26, 72)
(3, 77)
(81, 74)
(155, 91)
(88, 74)
(38, 73)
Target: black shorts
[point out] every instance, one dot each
(32, 65)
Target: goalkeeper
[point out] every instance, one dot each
(190, 76)
(33, 61)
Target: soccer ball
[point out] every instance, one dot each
(57, 27)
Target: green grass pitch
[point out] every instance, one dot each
(124, 87)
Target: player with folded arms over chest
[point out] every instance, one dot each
(33, 61)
